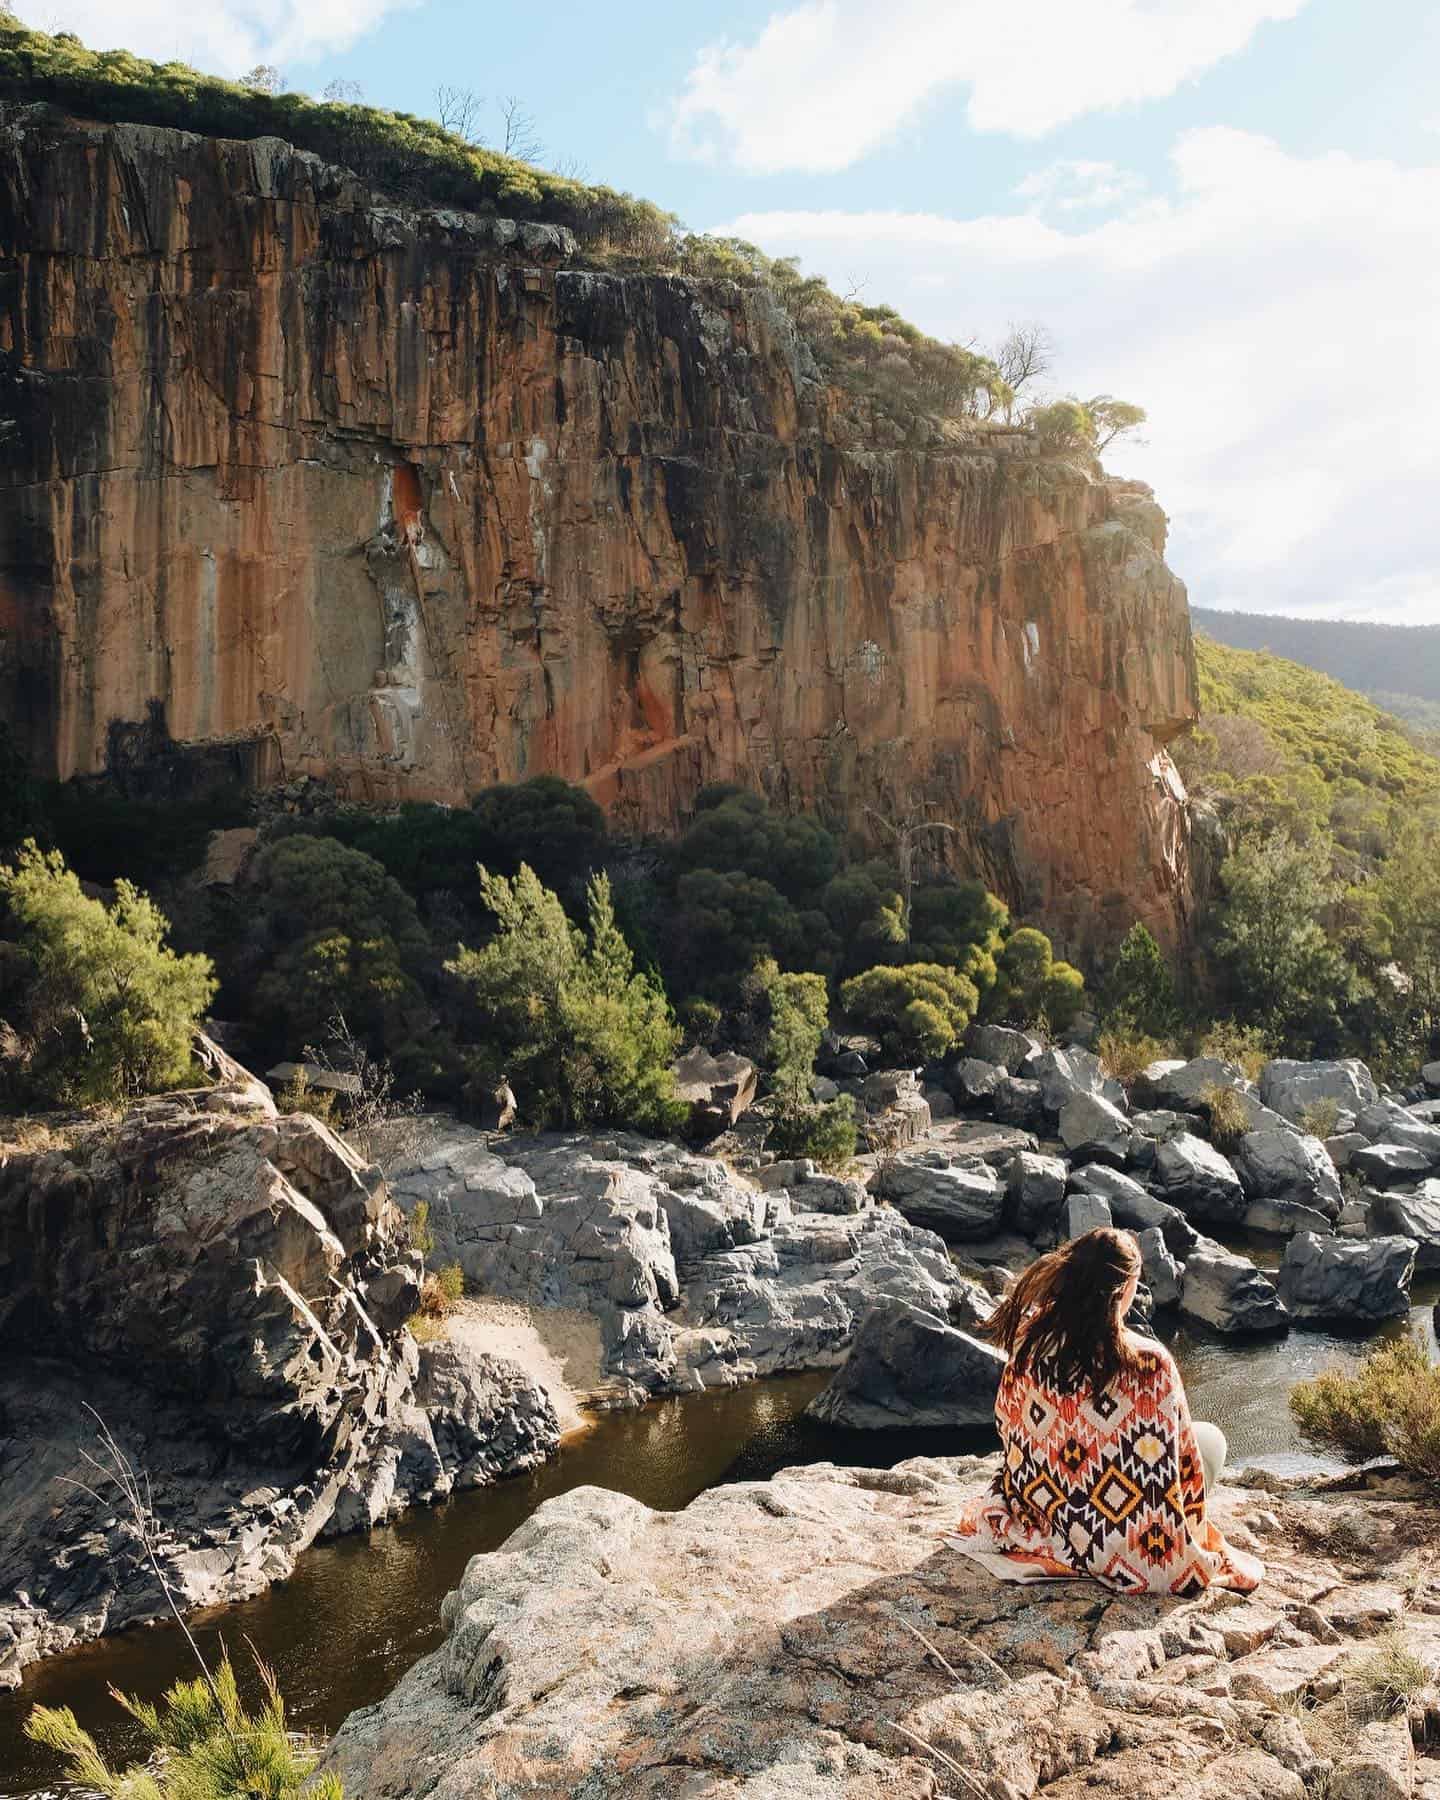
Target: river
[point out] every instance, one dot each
(359, 1611)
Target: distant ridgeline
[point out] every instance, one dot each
(1398, 666)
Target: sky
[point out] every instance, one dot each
(1227, 211)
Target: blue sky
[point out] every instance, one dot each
(1225, 210)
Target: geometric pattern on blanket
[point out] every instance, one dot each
(1108, 1485)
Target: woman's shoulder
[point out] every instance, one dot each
(1151, 1358)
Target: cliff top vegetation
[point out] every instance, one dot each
(869, 350)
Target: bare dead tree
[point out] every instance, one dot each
(1027, 353)
(264, 78)
(458, 110)
(521, 137)
(572, 169)
(904, 836)
(344, 93)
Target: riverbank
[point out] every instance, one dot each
(811, 1636)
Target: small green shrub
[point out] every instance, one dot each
(422, 1238)
(1127, 1054)
(827, 1133)
(1229, 1116)
(298, 1096)
(1320, 1118)
(799, 1013)
(1029, 983)
(204, 1746)
(1389, 1406)
(1247, 1046)
(440, 1294)
(1383, 1685)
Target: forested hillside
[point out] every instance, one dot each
(1396, 665)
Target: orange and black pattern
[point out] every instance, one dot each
(1106, 1485)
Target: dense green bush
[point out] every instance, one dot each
(799, 1013)
(735, 832)
(107, 1009)
(826, 1133)
(583, 1036)
(725, 923)
(21, 815)
(919, 1010)
(1389, 1406)
(1138, 995)
(1030, 987)
(331, 934)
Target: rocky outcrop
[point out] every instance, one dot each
(811, 1636)
(225, 1290)
(696, 1279)
(908, 1368)
(303, 482)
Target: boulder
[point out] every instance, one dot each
(999, 1044)
(823, 1090)
(1415, 1216)
(1163, 1275)
(1390, 1165)
(1019, 1103)
(1287, 1165)
(1194, 1176)
(1342, 1147)
(1387, 1122)
(1132, 1207)
(1064, 1073)
(1430, 1075)
(1093, 1129)
(887, 1087)
(1085, 1212)
(908, 1368)
(1228, 1293)
(1289, 1087)
(1180, 1085)
(1283, 1218)
(1348, 1281)
(717, 1089)
(1160, 1122)
(1034, 1193)
(973, 1081)
(960, 1201)
(941, 1105)
(487, 1417)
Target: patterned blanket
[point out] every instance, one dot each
(1106, 1485)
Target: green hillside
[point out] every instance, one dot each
(1399, 662)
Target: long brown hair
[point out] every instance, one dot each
(1063, 1310)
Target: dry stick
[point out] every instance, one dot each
(124, 1477)
(946, 1762)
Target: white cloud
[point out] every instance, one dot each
(1276, 318)
(1071, 186)
(224, 37)
(828, 81)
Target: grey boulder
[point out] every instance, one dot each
(1163, 1275)
(1387, 1122)
(1019, 1102)
(1194, 1176)
(973, 1082)
(1093, 1129)
(1289, 1087)
(717, 1089)
(1287, 1165)
(908, 1368)
(1283, 1218)
(1390, 1165)
(999, 1044)
(1034, 1193)
(1416, 1216)
(1085, 1212)
(1228, 1293)
(957, 1200)
(1347, 1280)
(1132, 1207)
(1064, 1073)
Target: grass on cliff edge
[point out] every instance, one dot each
(1389, 1406)
(907, 377)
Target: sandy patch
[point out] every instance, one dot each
(558, 1347)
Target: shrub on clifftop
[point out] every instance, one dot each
(1389, 1406)
(107, 1009)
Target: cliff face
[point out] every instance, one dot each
(398, 499)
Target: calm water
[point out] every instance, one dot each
(360, 1611)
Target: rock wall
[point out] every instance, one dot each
(316, 484)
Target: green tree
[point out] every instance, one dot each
(1030, 985)
(735, 832)
(799, 1013)
(20, 807)
(1273, 958)
(584, 1036)
(724, 923)
(332, 934)
(110, 1009)
(1139, 991)
(918, 1009)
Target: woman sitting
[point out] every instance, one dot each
(1102, 1472)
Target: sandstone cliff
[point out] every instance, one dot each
(300, 481)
